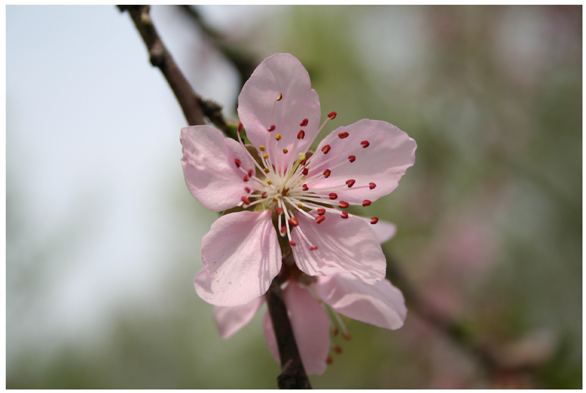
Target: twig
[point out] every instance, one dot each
(195, 108)
(293, 374)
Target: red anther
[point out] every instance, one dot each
(247, 190)
(335, 331)
(279, 210)
(301, 134)
(332, 115)
(305, 171)
(271, 128)
(338, 349)
(321, 212)
(319, 219)
(343, 204)
(346, 335)
(344, 215)
(246, 200)
(313, 248)
(365, 144)
(245, 178)
(302, 162)
(374, 220)
(329, 360)
(293, 221)
(371, 185)
(327, 173)
(283, 230)
(304, 187)
(264, 195)
(350, 182)
(352, 158)
(326, 149)
(366, 203)
(333, 195)
(292, 243)
(240, 127)
(250, 172)
(279, 97)
(237, 162)
(304, 123)
(343, 135)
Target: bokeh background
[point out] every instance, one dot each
(103, 237)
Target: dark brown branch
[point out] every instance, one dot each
(194, 107)
(293, 374)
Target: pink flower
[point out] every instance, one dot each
(380, 304)
(305, 194)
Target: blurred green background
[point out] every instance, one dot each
(100, 265)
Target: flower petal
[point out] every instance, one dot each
(383, 162)
(384, 230)
(231, 319)
(380, 304)
(241, 256)
(209, 167)
(343, 245)
(311, 327)
(280, 75)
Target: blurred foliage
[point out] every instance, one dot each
(489, 218)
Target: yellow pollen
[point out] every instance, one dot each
(279, 97)
(265, 156)
(278, 137)
(262, 148)
(267, 170)
(299, 205)
(275, 199)
(269, 182)
(285, 151)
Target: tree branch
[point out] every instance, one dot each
(293, 374)
(194, 107)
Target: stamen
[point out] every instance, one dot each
(338, 349)
(350, 182)
(326, 149)
(327, 173)
(285, 151)
(343, 204)
(366, 203)
(303, 123)
(264, 195)
(265, 156)
(332, 115)
(293, 221)
(300, 205)
(275, 199)
(250, 172)
(329, 360)
(321, 212)
(333, 195)
(344, 215)
(374, 220)
(262, 148)
(365, 144)
(352, 158)
(247, 190)
(343, 135)
(304, 187)
(305, 171)
(279, 97)
(346, 335)
(240, 127)
(245, 200)
(371, 185)
(237, 162)
(278, 137)
(271, 128)
(292, 243)
(301, 134)
(313, 248)
(245, 178)
(319, 219)
(266, 170)
(279, 210)
(269, 181)
(283, 230)
(335, 331)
